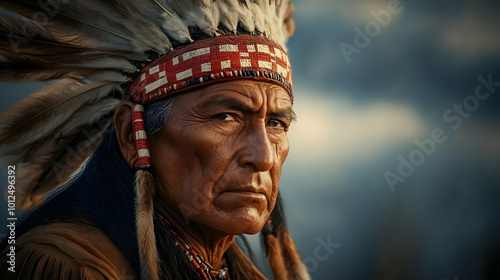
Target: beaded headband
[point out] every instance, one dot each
(212, 60)
(202, 63)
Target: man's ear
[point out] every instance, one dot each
(125, 133)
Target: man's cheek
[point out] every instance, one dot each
(271, 203)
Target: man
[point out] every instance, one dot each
(188, 158)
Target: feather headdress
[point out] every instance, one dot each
(91, 47)
(101, 51)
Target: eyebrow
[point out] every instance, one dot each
(237, 105)
(288, 114)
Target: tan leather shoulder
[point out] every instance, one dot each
(67, 251)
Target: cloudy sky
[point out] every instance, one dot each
(356, 119)
(405, 70)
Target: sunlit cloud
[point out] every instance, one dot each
(331, 128)
(471, 35)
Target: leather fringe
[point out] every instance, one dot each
(241, 266)
(284, 259)
(276, 260)
(296, 269)
(148, 254)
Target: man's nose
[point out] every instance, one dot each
(258, 150)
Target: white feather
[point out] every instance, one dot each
(204, 17)
(229, 13)
(258, 16)
(170, 22)
(246, 17)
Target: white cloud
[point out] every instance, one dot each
(333, 129)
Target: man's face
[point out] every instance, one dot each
(218, 159)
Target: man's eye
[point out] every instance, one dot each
(277, 124)
(225, 117)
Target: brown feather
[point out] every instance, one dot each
(69, 27)
(23, 40)
(12, 72)
(20, 33)
(60, 161)
(50, 161)
(42, 112)
(43, 149)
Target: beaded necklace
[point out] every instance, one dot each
(204, 269)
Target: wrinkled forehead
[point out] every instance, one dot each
(241, 94)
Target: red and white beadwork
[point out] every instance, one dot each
(210, 60)
(141, 143)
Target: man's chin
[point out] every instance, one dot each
(243, 222)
